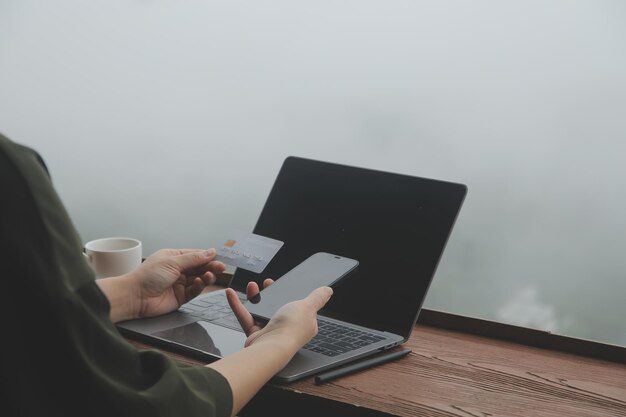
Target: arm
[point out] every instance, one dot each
(121, 295)
(246, 373)
(170, 278)
(292, 326)
(102, 374)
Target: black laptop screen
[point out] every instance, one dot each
(396, 226)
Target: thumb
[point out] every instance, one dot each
(319, 297)
(195, 259)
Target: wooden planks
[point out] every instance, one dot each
(455, 374)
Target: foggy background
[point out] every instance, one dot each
(168, 121)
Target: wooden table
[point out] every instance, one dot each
(466, 367)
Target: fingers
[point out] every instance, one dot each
(217, 267)
(194, 259)
(194, 282)
(252, 289)
(183, 251)
(208, 278)
(193, 290)
(243, 315)
(175, 252)
(206, 272)
(319, 297)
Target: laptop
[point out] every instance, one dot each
(395, 225)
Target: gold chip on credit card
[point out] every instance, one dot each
(248, 251)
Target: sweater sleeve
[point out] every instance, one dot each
(61, 353)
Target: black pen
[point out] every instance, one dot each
(359, 366)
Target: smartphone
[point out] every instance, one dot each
(318, 270)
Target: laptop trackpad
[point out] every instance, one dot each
(206, 337)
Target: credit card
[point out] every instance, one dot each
(248, 251)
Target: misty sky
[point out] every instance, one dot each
(168, 121)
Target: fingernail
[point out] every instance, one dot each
(256, 298)
(210, 252)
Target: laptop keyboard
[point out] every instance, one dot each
(333, 339)
(214, 309)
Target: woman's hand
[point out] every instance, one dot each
(244, 317)
(171, 277)
(161, 284)
(270, 348)
(294, 323)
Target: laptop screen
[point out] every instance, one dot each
(396, 226)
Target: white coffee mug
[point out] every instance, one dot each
(113, 256)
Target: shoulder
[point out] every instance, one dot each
(34, 220)
(19, 156)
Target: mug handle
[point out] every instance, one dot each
(88, 257)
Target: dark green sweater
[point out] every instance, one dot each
(61, 355)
